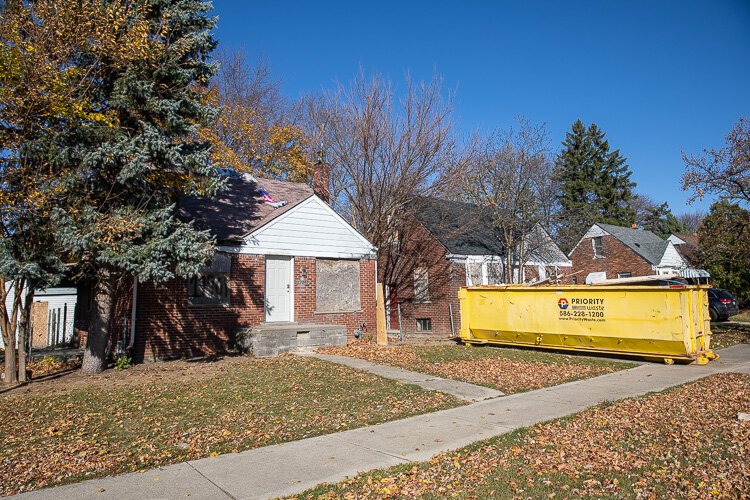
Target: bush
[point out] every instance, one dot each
(123, 363)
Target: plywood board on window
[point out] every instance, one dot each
(337, 285)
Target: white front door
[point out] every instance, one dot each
(279, 289)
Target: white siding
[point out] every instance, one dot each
(594, 232)
(61, 305)
(9, 306)
(676, 240)
(671, 258)
(311, 229)
(544, 250)
(64, 299)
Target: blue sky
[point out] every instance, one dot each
(658, 77)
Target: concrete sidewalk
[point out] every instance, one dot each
(291, 468)
(460, 390)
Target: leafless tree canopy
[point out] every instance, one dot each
(512, 175)
(250, 85)
(642, 204)
(691, 221)
(385, 147)
(725, 171)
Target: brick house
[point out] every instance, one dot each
(687, 246)
(276, 263)
(607, 252)
(443, 246)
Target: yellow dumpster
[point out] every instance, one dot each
(666, 323)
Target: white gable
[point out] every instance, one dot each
(676, 240)
(543, 249)
(311, 229)
(595, 231)
(671, 258)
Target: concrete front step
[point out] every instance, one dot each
(277, 338)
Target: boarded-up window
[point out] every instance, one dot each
(474, 273)
(489, 272)
(421, 285)
(494, 273)
(211, 284)
(337, 285)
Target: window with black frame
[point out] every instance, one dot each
(210, 285)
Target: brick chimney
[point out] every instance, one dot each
(321, 181)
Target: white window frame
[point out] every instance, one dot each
(593, 244)
(484, 261)
(427, 320)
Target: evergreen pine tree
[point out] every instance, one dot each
(660, 220)
(595, 184)
(118, 217)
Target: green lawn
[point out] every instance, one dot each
(508, 370)
(79, 427)
(683, 443)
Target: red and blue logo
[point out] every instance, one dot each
(562, 303)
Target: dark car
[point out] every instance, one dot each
(721, 304)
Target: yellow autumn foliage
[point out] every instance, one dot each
(43, 89)
(245, 140)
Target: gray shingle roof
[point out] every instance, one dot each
(645, 243)
(461, 228)
(240, 209)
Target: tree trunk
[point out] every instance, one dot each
(11, 371)
(95, 355)
(23, 334)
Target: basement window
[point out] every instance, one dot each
(424, 324)
(210, 285)
(598, 247)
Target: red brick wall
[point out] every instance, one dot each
(168, 326)
(618, 258)
(305, 310)
(397, 263)
(444, 283)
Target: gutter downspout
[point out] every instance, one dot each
(133, 310)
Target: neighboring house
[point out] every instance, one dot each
(443, 246)
(52, 316)
(276, 263)
(607, 252)
(687, 246)
(544, 259)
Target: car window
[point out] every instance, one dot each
(712, 294)
(723, 294)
